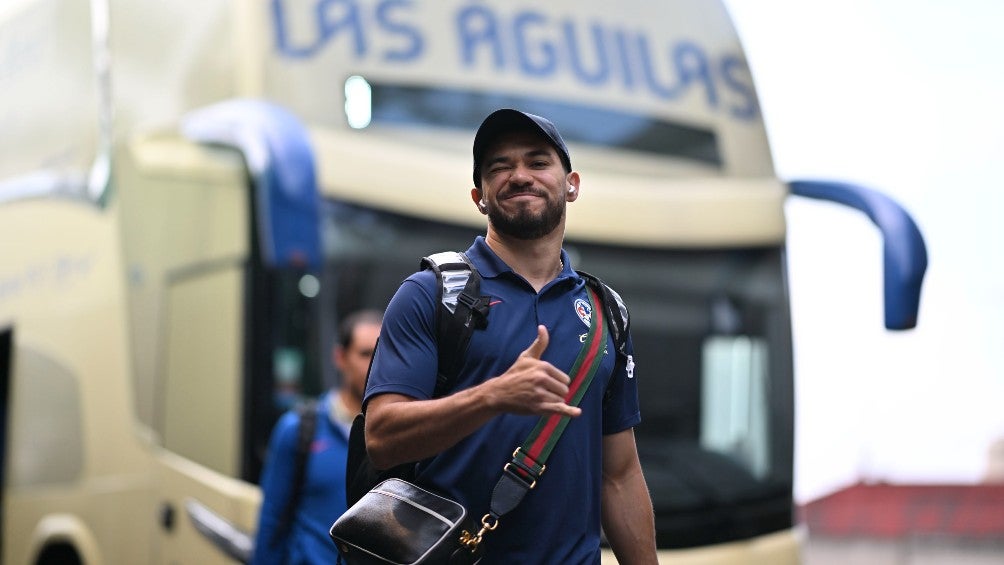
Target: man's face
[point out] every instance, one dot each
(524, 185)
(353, 361)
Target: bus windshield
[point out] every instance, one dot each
(423, 106)
(711, 335)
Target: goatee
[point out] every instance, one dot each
(524, 224)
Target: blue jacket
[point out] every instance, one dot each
(322, 500)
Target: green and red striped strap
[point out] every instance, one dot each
(529, 459)
(520, 474)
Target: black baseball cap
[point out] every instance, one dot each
(508, 119)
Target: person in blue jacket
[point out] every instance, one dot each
(321, 500)
(515, 370)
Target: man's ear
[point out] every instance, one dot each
(338, 356)
(479, 201)
(572, 192)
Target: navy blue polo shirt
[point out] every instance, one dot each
(559, 521)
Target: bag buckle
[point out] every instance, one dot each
(520, 470)
(471, 542)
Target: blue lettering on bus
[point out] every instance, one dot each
(281, 28)
(735, 73)
(49, 273)
(578, 57)
(694, 68)
(649, 71)
(330, 17)
(413, 41)
(542, 46)
(536, 54)
(334, 16)
(690, 69)
(345, 19)
(476, 27)
(621, 39)
(530, 43)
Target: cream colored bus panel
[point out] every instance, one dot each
(49, 112)
(629, 210)
(71, 450)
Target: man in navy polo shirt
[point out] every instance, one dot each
(515, 371)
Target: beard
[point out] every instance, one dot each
(527, 225)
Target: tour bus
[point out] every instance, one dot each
(194, 193)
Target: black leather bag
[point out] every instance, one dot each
(399, 522)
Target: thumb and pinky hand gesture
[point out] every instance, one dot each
(534, 386)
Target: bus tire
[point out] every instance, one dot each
(59, 554)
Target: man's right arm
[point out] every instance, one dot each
(401, 429)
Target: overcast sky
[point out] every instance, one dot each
(907, 97)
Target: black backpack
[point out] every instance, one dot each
(460, 311)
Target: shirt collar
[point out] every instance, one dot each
(489, 264)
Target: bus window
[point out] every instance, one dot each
(369, 253)
(734, 401)
(424, 106)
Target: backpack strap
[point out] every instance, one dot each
(616, 313)
(307, 411)
(615, 309)
(460, 310)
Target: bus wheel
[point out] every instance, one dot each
(59, 554)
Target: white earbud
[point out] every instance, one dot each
(482, 206)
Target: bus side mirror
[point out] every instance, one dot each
(904, 252)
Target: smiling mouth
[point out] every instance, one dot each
(523, 193)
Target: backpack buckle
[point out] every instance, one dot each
(478, 307)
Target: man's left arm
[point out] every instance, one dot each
(627, 515)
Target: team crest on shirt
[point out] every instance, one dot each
(583, 310)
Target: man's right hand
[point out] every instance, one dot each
(531, 385)
(401, 429)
